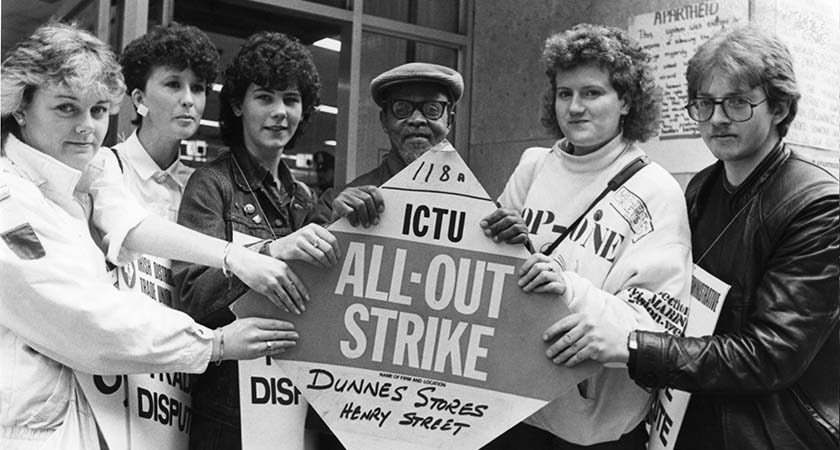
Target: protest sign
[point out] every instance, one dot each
(264, 391)
(148, 411)
(668, 409)
(107, 398)
(420, 338)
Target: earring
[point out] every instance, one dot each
(142, 110)
(19, 119)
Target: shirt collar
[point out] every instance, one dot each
(255, 174)
(52, 176)
(146, 167)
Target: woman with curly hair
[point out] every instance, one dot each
(248, 195)
(59, 310)
(621, 261)
(167, 74)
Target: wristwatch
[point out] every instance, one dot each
(632, 348)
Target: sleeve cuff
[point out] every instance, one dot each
(115, 237)
(648, 370)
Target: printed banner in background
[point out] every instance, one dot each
(420, 338)
(148, 411)
(668, 410)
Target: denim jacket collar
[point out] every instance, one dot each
(253, 174)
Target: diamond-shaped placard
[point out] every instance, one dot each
(420, 338)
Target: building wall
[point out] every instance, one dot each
(508, 80)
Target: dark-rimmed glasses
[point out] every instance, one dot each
(431, 109)
(737, 109)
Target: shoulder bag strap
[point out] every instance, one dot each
(619, 179)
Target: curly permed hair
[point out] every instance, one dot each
(272, 60)
(628, 67)
(57, 53)
(175, 46)
(748, 57)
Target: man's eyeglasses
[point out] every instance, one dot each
(737, 109)
(432, 109)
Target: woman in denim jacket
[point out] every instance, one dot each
(249, 196)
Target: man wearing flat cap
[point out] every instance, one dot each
(417, 102)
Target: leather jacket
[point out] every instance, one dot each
(768, 377)
(226, 197)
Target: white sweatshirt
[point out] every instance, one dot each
(630, 258)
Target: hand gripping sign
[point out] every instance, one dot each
(420, 338)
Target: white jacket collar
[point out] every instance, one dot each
(53, 177)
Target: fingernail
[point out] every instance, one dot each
(483, 223)
(381, 208)
(376, 221)
(495, 238)
(545, 337)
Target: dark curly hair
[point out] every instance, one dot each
(176, 46)
(750, 58)
(628, 67)
(271, 60)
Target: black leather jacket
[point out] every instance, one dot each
(221, 200)
(769, 377)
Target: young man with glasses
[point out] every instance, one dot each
(765, 221)
(418, 109)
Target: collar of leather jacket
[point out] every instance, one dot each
(746, 190)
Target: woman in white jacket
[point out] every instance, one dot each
(59, 311)
(624, 263)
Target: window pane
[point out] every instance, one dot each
(334, 3)
(438, 14)
(380, 53)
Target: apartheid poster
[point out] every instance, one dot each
(145, 411)
(668, 409)
(419, 337)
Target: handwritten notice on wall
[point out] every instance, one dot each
(810, 30)
(671, 36)
(420, 337)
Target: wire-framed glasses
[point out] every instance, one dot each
(431, 109)
(737, 109)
